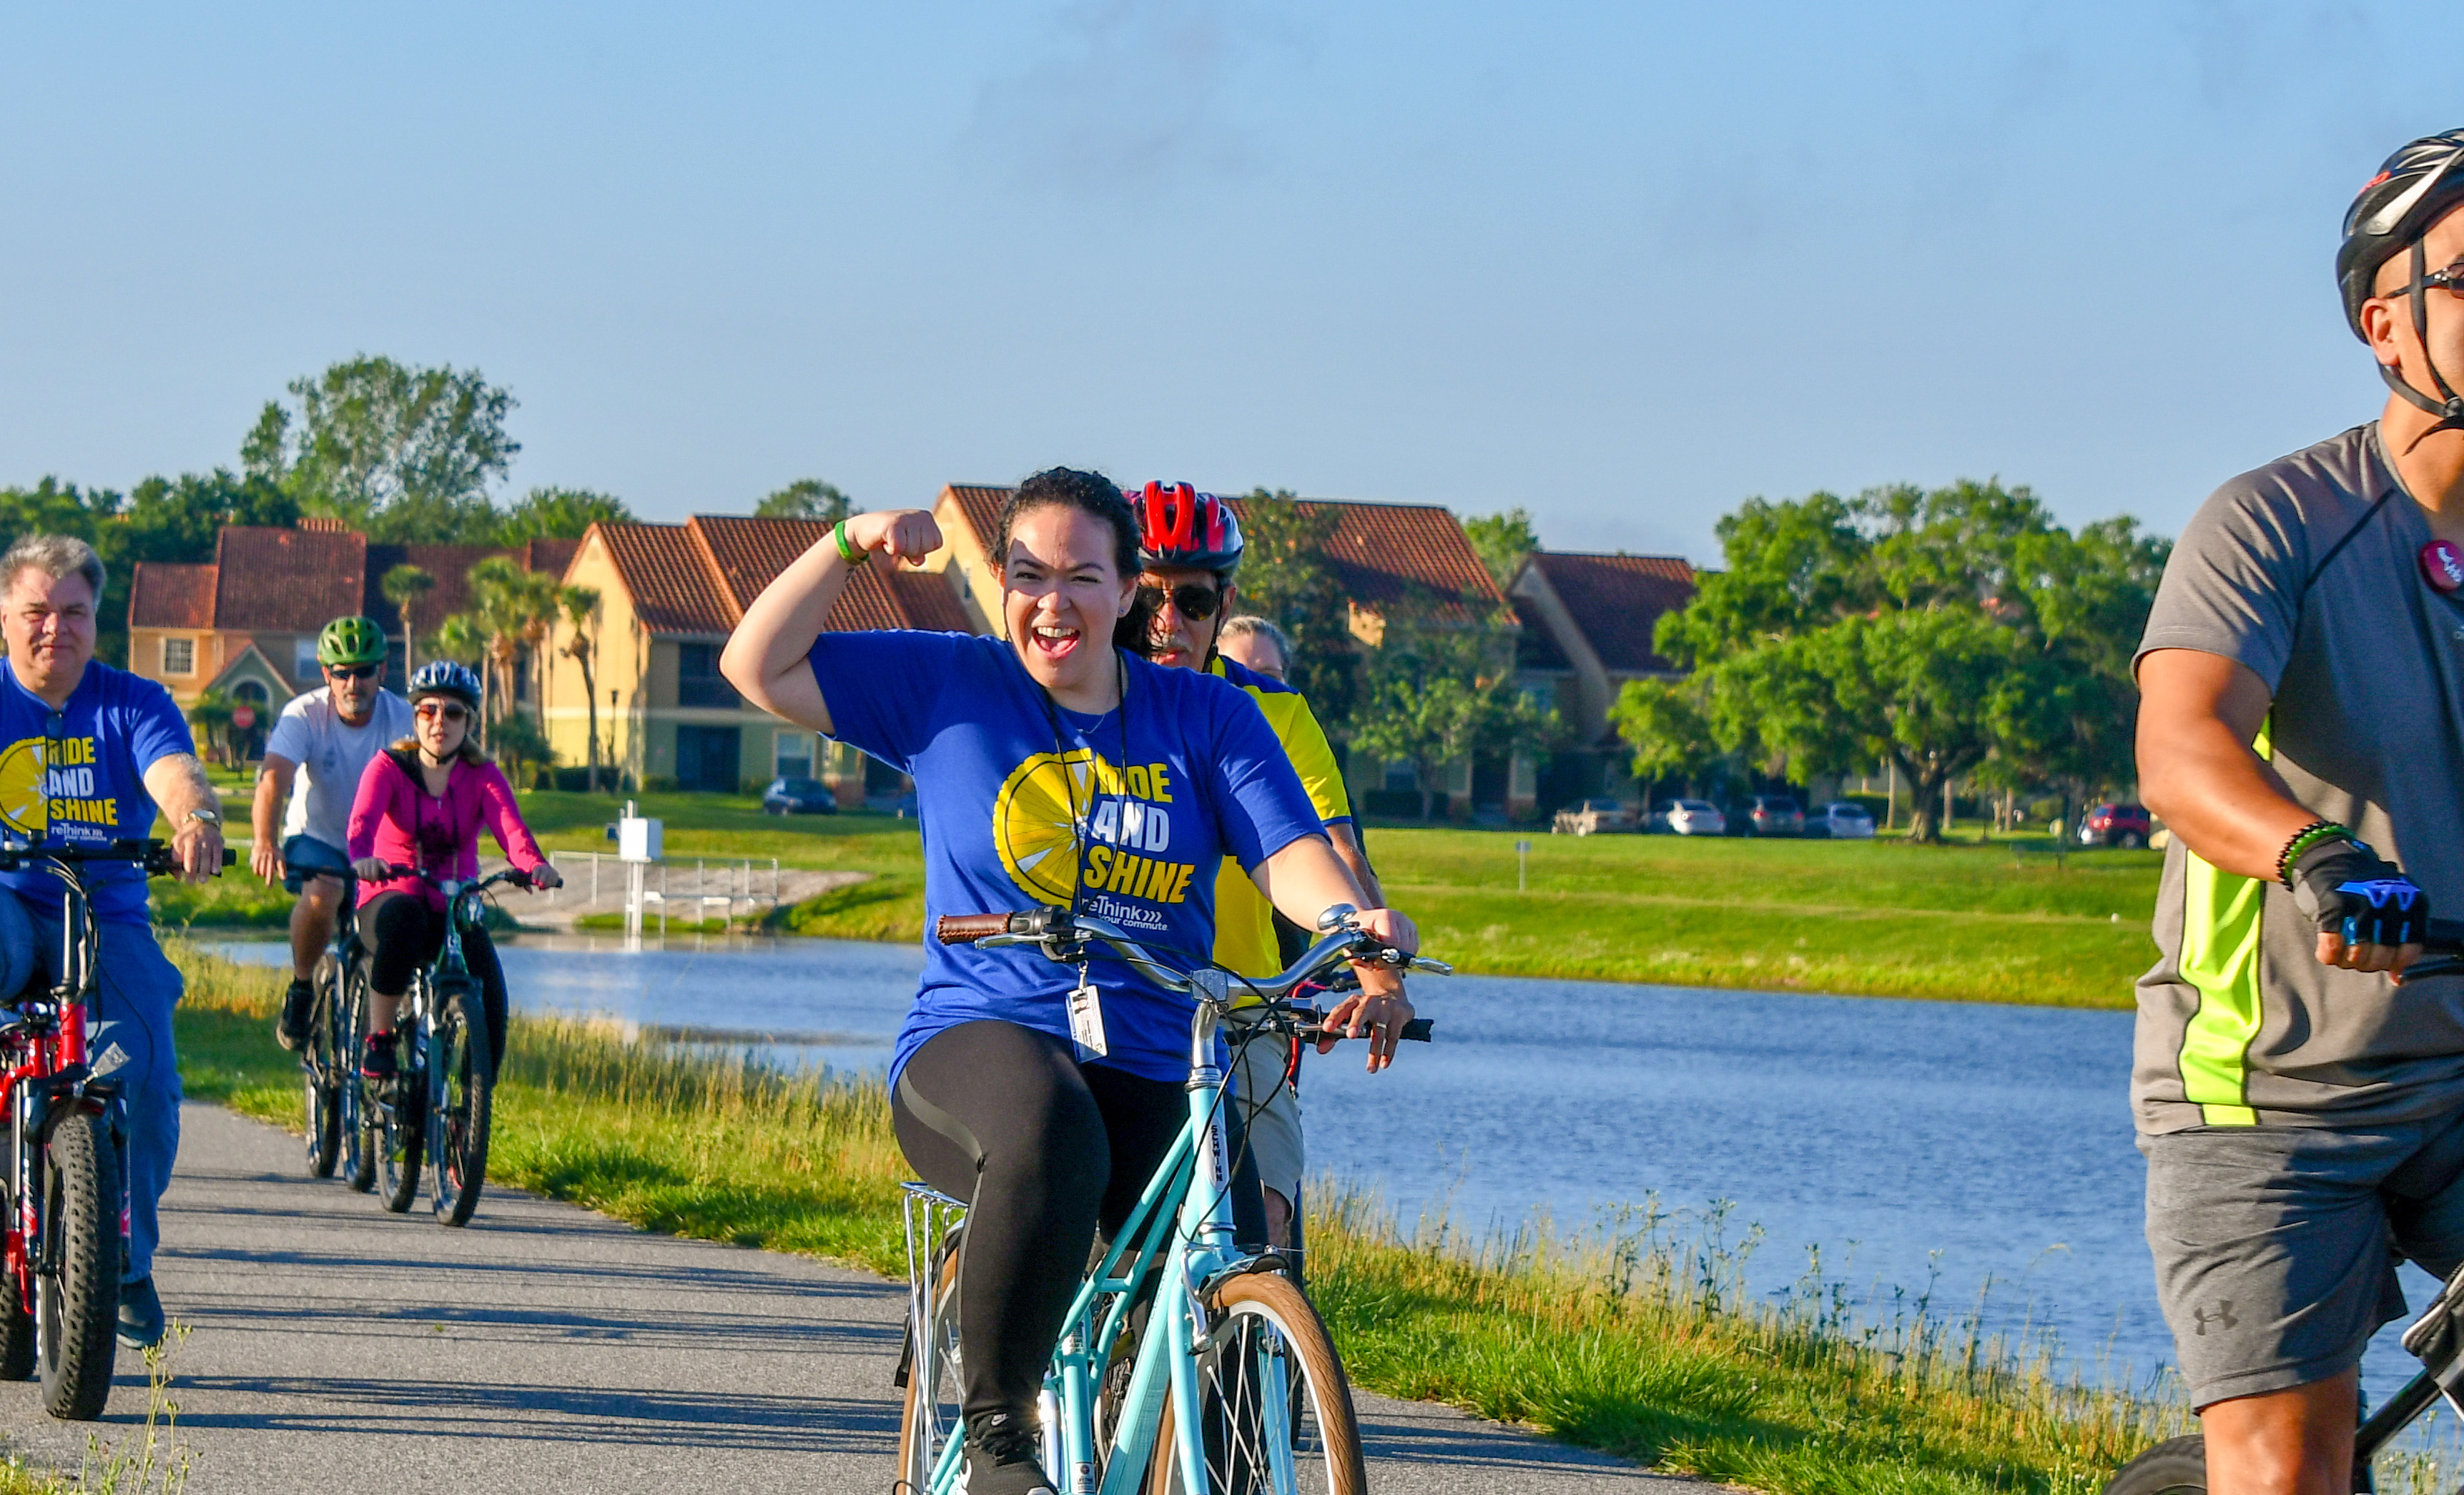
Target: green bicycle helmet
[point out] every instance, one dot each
(351, 641)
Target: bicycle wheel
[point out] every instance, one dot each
(78, 1300)
(363, 1138)
(402, 1132)
(460, 1087)
(929, 1416)
(1277, 1411)
(323, 1067)
(2176, 1466)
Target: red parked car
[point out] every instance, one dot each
(2125, 826)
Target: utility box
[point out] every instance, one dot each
(638, 840)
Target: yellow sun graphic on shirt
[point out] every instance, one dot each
(1035, 822)
(23, 806)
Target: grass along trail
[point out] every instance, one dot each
(1633, 1339)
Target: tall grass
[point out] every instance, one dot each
(1636, 1334)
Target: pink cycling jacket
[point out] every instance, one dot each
(394, 817)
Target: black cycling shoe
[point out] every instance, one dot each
(377, 1060)
(291, 1030)
(1002, 1457)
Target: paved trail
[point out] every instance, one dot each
(337, 1348)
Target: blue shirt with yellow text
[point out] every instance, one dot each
(75, 777)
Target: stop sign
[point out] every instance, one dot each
(243, 716)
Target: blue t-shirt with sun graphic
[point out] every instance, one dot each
(75, 777)
(1022, 804)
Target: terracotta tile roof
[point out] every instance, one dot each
(927, 600)
(449, 564)
(981, 507)
(1386, 553)
(669, 575)
(286, 579)
(1617, 601)
(551, 556)
(748, 555)
(163, 595)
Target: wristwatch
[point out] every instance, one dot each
(213, 818)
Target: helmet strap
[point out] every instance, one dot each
(2450, 407)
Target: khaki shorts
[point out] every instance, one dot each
(2277, 1247)
(1274, 1126)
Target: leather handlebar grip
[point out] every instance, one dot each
(966, 928)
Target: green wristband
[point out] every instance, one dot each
(848, 552)
(2308, 836)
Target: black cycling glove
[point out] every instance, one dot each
(2349, 890)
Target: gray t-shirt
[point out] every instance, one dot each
(2299, 571)
(331, 755)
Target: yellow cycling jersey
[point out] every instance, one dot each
(1245, 922)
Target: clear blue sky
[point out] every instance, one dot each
(1623, 265)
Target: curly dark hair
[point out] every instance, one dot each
(1090, 493)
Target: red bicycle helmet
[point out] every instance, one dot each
(1179, 526)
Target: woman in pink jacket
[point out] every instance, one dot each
(420, 804)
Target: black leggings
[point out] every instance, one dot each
(1045, 1150)
(403, 934)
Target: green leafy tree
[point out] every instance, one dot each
(517, 607)
(1285, 577)
(559, 514)
(404, 453)
(1502, 541)
(462, 638)
(579, 605)
(1665, 722)
(521, 748)
(1440, 686)
(407, 587)
(1951, 631)
(806, 498)
(210, 715)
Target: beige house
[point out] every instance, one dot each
(1588, 625)
(670, 594)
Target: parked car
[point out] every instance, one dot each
(1586, 817)
(1769, 815)
(799, 797)
(2116, 826)
(1841, 820)
(1688, 817)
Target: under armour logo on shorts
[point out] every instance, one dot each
(2222, 1318)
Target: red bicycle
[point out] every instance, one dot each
(67, 1200)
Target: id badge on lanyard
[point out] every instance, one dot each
(1086, 1017)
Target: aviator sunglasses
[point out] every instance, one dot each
(450, 711)
(1192, 600)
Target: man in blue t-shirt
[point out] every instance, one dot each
(87, 753)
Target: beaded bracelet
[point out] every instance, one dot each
(848, 552)
(2308, 836)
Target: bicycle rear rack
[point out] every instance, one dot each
(932, 1220)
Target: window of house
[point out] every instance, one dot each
(1403, 774)
(303, 658)
(795, 750)
(179, 656)
(698, 682)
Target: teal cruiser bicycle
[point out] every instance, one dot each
(1185, 1366)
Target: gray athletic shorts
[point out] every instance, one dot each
(2277, 1246)
(1274, 1126)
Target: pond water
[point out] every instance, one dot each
(1977, 1148)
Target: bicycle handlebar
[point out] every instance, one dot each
(1059, 929)
(157, 857)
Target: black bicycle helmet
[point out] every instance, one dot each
(2414, 188)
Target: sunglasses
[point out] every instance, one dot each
(1192, 600)
(447, 709)
(351, 671)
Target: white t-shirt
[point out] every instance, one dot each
(331, 755)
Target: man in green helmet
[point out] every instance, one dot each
(329, 734)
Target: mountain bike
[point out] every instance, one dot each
(68, 1151)
(437, 1108)
(1184, 1364)
(328, 1060)
(2179, 1465)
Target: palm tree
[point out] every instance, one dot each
(404, 586)
(580, 608)
(498, 602)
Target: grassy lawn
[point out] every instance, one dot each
(1637, 1341)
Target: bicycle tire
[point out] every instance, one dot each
(322, 1071)
(77, 1313)
(2176, 1466)
(461, 1087)
(403, 1137)
(361, 1131)
(1260, 1332)
(920, 1449)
